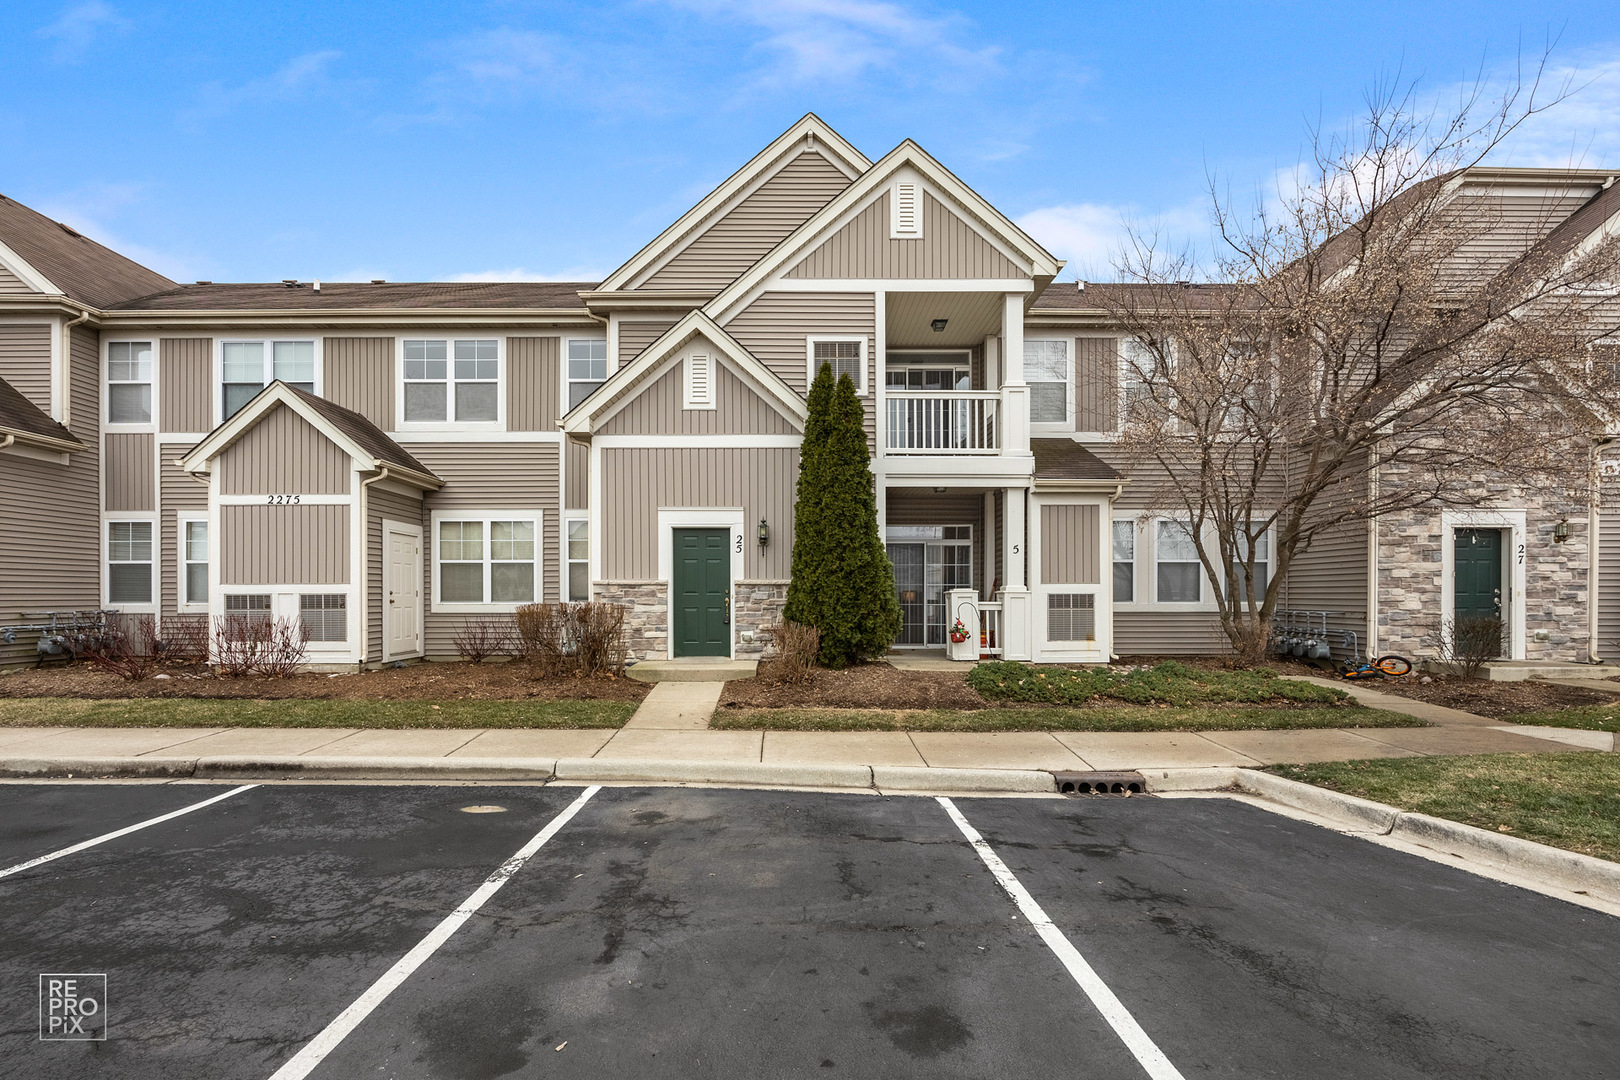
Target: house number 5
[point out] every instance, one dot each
(1018, 549)
(283, 500)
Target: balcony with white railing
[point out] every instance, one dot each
(942, 422)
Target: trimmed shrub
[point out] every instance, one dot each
(1168, 683)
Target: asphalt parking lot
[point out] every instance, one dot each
(663, 932)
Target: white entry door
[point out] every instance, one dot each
(402, 588)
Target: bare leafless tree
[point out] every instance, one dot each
(1358, 320)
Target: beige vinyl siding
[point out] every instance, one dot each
(1069, 545)
(25, 361)
(1331, 575)
(394, 507)
(131, 459)
(1507, 226)
(774, 329)
(185, 381)
(1183, 633)
(359, 375)
(50, 530)
(578, 495)
(283, 454)
(949, 248)
(637, 482)
(1096, 384)
(1608, 574)
(12, 285)
(283, 545)
(486, 476)
(755, 225)
(923, 506)
(531, 383)
(182, 496)
(660, 409)
(634, 337)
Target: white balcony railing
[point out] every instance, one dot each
(953, 422)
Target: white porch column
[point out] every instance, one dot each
(1016, 544)
(1014, 393)
(987, 544)
(1016, 626)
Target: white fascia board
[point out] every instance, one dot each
(810, 127)
(26, 273)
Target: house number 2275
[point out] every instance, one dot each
(283, 500)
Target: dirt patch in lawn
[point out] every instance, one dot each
(1488, 698)
(863, 686)
(512, 681)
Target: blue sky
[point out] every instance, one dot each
(507, 139)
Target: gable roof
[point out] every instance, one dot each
(356, 435)
(1064, 461)
(582, 419)
(59, 260)
(24, 422)
(352, 296)
(1041, 264)
(810, 132)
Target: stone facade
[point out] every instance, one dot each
(1411, 557)
(755, 606)
(646, 622)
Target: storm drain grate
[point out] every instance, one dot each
(1100, 783)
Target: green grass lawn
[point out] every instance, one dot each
(1569, 800)
(1121, 718)
(1588, 717)
(1168, 683)
(220, 712)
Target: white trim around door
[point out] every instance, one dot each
(669, 520)
(391, 529)
(1513, 563)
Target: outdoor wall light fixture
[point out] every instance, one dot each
(764, 533)
(939, 325)
(1561, 532)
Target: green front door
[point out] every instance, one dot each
(702, 589)
(1478, 573)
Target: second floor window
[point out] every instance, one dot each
(1046, 370)
(247, 367)
(447, 379)
(129, 382)
(587, 368)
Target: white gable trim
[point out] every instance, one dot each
(908, 156)
(26, 273)
(659, 357)
(810, 133)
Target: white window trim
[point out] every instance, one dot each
(183, 604)
(1122, 384)
(1147, 570)
(1101, 646)
(449, 423)
(562, 366)
(150, 518)
(284, 605)
(106, 397)
(488, 607)
(1069, 394)
(699, 394)
(217, 390)
(810, 359)
(568, 517)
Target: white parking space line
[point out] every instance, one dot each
(137, 827)
(1148, 1055)
(315, 1051)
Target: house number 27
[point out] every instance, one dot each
(1521, 554)
(283, 500)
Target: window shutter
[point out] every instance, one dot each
(699, 381)
(906, 218)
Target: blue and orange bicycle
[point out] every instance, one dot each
(1357, 667)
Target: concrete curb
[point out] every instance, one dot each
(917, 778)
(375, 768)
(763, 774)
(1555, 867)
(26, 768)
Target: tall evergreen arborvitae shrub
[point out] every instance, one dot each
(843, 583)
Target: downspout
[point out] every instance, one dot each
(7, 441)
(365, 598)
(1119, 489)
(1593, 579)
(67, 364)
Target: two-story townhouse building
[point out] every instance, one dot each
(382, 460)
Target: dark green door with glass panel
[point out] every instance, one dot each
(1478, 577)
(702, 588)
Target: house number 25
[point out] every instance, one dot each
(739, 543)
(283, 500)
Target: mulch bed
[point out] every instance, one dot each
(1489, 698)
(513, 681)
(863, 686)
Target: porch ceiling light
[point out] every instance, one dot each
(939, 325)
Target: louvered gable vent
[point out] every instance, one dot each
(905, 211)
(700, 381)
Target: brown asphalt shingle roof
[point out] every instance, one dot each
(80, 267)
(371, 438)
(1065, 459)
(1099, 296)
(19, 415)
(348, 295)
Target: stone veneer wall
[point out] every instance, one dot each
(754, 606)
(1556, 577)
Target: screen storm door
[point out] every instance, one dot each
(1478, 574)
(702, 589)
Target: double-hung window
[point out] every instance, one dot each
(1124, 561)
(587, 368)
(247, 367)
(452, 378)
(129, 382)
(579, 555)
(487, 560)
(846, 356)
(1179, 573)
(129, 562)
(1262, 567)
(1136, 368)
(194, 561)
(1046, 370)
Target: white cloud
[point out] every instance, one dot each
(78, 28)
(1091, 236)
(1580, 131)
(521, 273)
(297, 77)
